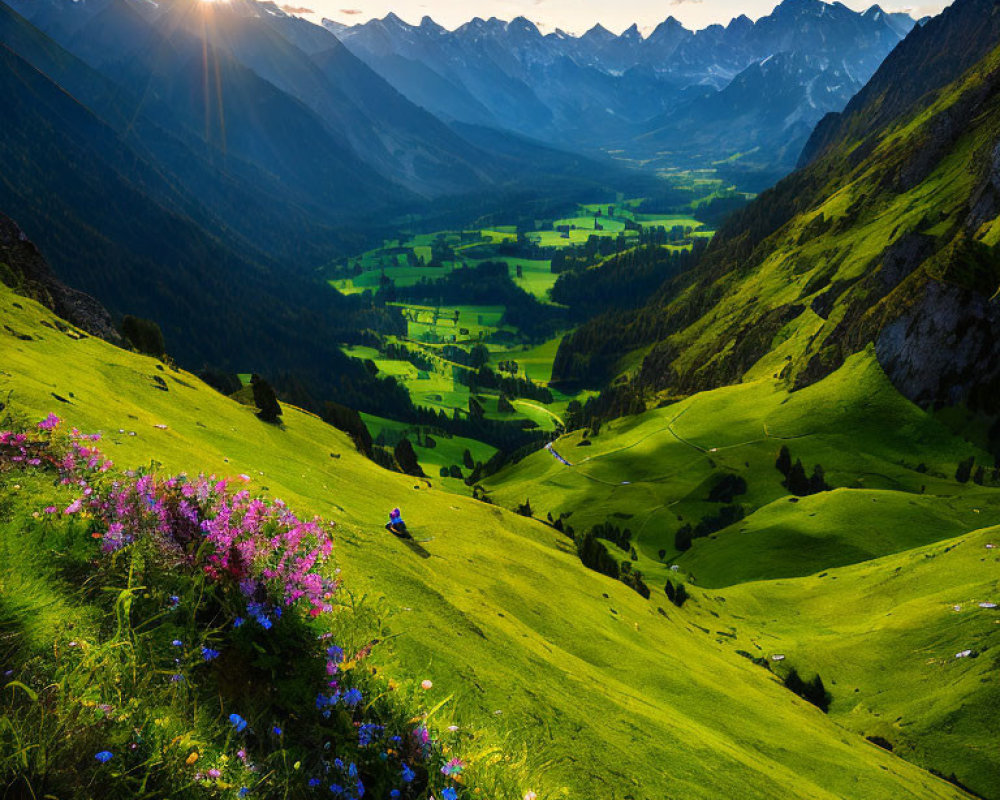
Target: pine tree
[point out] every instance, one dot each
(265, 399)
(467, 459)
(817, 483)
(964, 471)
(680, 595)
(406, 458)
(682, 538)
(144, 335)
(797, 482)
(784, 462)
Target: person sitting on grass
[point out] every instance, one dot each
(396, 525)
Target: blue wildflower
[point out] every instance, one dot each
(335, 653)
(104, 756)
(338, 763)
(174, 601)
(449, 794)
(238, 722)
(352, 771)
(368, 733)
(265, 623)
(408, 774)
(176, 678)
(177, 643)
(314, 782)
(276, 730)
(352, 697)
(360, 787)
(209, 654)
(237, 622)
(244, 791)
(336, 788)
(394, 794)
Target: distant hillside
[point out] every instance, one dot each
(888, 237)
(664, 95)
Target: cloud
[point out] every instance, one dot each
(351, 11)
(297, 10)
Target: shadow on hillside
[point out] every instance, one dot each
(416, 548)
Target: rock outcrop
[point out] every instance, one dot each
(24, 269)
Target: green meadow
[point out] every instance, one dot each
(584, 687)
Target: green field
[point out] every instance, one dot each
(586, 689)
(652, 473)
(447, 450)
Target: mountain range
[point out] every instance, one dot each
(195, 162)
(676, 95)
(884, 239)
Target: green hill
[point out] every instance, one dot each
(576, 675)
(884, 635)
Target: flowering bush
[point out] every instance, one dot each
(225, 600)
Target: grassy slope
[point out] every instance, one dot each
(853, 423)
(606, 696)
(884, 626)
(884, 635)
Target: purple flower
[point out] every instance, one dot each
(48, 424)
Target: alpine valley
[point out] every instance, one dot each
(397, 412)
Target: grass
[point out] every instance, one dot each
(571, 673)
(652, 473)
(448, 450)
(884, 635)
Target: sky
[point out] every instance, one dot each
(574, 16)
